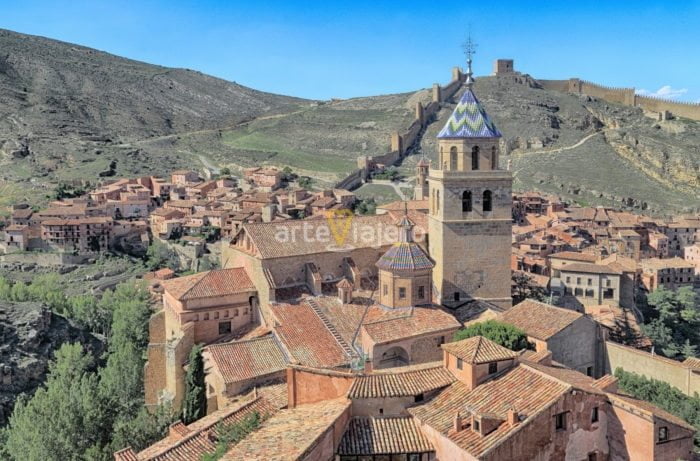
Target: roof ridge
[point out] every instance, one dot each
(240, 341)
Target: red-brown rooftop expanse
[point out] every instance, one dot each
(221, 282)
(539, 320)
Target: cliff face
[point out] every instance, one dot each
(29, 335)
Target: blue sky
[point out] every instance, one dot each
(343, 49)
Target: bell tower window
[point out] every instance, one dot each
(486, 202)
(466, 201)
(453, 158)
(494, 161)
(475, 158)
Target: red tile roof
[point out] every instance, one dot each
(385, 325)
(478, 349)
(539, 320)
(220, 282)
(306, 337)
(522, 388)
(290, 434)
(401, 381)
(241, 360)
(383, 436)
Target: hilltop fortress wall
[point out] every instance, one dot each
(625, 96)
(401, 143)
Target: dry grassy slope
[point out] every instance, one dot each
(67, 112)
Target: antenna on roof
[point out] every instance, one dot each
(469, 48)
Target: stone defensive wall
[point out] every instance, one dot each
(625, 96)
(402, 142)
(677, 374)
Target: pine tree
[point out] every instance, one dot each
(195, 404)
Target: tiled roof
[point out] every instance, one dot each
(383, 436)
(362, 232)
(220, 282)
(539, 320)
(469, 120)
(692, 362)
(306, 337)
(401, 205)
(478, 349)
(241, 360)
(590, 268)
(574, 256)
(522, 388)
(400, 382)
(290, 434)
(386, 325)
(405, 256)
(194, 440)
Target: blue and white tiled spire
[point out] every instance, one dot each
(469, 119)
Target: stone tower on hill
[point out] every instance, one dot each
(470, 209)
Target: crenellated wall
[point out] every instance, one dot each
(401, 143)
(625, 96)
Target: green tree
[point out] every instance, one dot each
(501, 333)
(159, 255)
(664, 396)
(64, 419)
(524, 287)
(195, 402)
(305, 182)
(225, 172)
(673, 323)
(366, 207)
(231, 434)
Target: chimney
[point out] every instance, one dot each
(369, 367)
(512, 417)
(268, 212)
(457, 424)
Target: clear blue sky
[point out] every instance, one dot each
(353, 48)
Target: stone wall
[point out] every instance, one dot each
(651, 366)
(625, 96)
(402, 142)
(311, 385)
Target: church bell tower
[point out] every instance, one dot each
(470, 219)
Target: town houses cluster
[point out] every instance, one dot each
(119, 215)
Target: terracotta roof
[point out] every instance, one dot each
(539, 320)
(16, 227)
(194, 440)
(670, 263)
(290, 434)
(383, 436)
(401, 205)
(266, 236)
(22, 213)
(344, 284)
(478, 349)
(590, 268)
(306, 337)
(401, 382)
(385, 325)
(220, 282)
(522, 388)
(242, 360)
(574, 256)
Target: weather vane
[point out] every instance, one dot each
(469, 49)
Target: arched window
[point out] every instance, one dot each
(453, 158)
(437, 204)
(486, 202)
(475, 158)
(466, 201)
(494, 160)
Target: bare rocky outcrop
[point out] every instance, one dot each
(29, 335)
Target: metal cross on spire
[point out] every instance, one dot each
(469, 48)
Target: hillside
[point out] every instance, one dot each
(68, 112)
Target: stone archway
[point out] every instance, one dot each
(395, 356)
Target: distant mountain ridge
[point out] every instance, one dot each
(68, 113)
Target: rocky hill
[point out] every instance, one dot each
(29, 335)
(71, 113)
